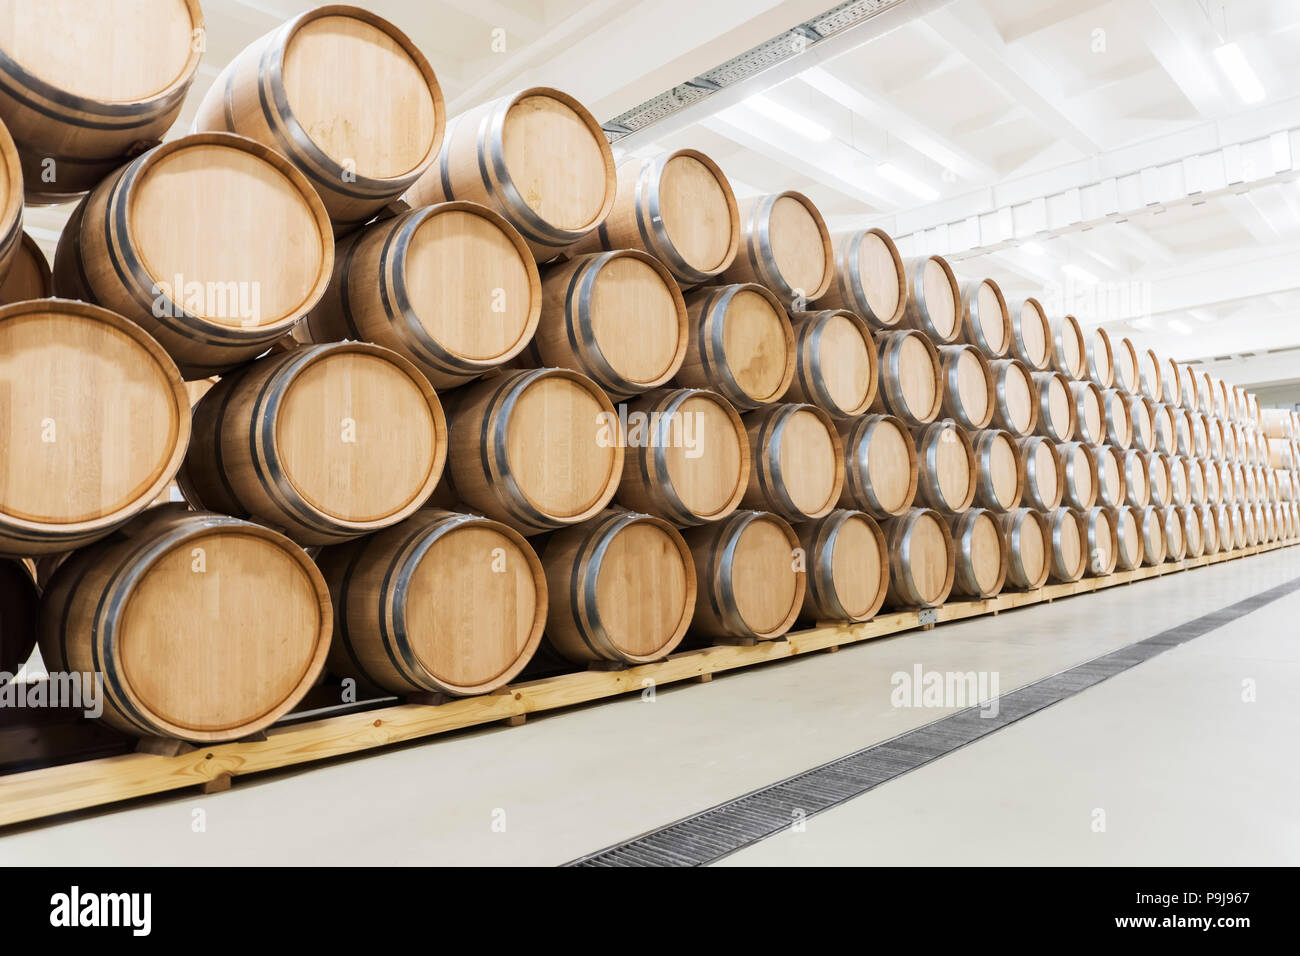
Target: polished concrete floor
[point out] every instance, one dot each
(1181, 768)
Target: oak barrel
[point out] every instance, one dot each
(84, 86)
(1101, 543)
(1180, 480)
(326, 442)
(750, 575)
(980, 550)
(934, 305)
(1109, 476)
(536, 449)
(1028, 561)
(1127, 373)
(1142, 421)
(441, 603)
(784, 247)
(1031, 334)
(1069, 349)
(1101, 359)
(622, 589)
(1067, 550)
(452, 287)
(1119, 418)
(96, 423)
(946, 468)
(1161, 483)
(880, 466)
(1044, 473)
(999, 479)
(346, 97)
(986, 322)
(922, 559)
(1057, 409)
(19, 602)
(869, 279)
(910, 375)
(847, 567)
(1079, 466)
(797, 462)
(1015, 397)
(1165, 429)
(1151, 524)
(1137, 479)
(967, 385)
(617, 317)
(687, 456)
(1193, 531)
(1151, 376)
(676, 206)
(1130, 549)
(1089, 412)
(1175, 534)
(213, 243)
(29, 275)
(836, 367)
(204, 627)
(739, 343)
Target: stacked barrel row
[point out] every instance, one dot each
(498, 388)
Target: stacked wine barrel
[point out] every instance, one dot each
(509, 393)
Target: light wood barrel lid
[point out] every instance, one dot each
(869, 277)
(1090, 412)
(881, 466)
(800, 245)
(470, 281)
(1031, 340)
(709, 478)
(1044, 473)
(1110, 476)
(1142, 417)
(1137, 479)
(96, 418)
(1175, 535)
(698, 210)
(859, 566)
(1127, 374)
(836, 363)
(1069, 558)
(1028, 546)
(1175, 387)
(1057, 410)
(987, 321)
(766, 588)
(1101, 542)
(222, 213)
(910, 371)
(1119, 418)
(968, 387)
(922, 558)
(1151, 376)
(1193, 532)
(646, 589)
(1101, 359)
(1128, 535)
(742, 345)
(1080, 466)
(999, 482)
(797, 461)
(29, 274)
(947, 465)
(1069, 348)
(105, 52)
(934, 305)
(1015, 397)
(1154, 547)
(981, 550)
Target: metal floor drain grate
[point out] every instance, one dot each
(722, 830)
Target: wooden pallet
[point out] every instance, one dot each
(47, 792)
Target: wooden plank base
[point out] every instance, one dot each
(50, 791)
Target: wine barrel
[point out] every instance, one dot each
(967, 385)
(536, 449)
(1188, 434)
(981, 555)
(1171, 384)
(1044, 473)
(1079, 466)
(1204, 394)
(1101, 359)
(749, 572)
(1281, 453)
(1150, 377)
(676, 206)
(946, 468)
(1188, 386)
(1165, 430)
(622, 589)
(96, 423)
(84, 86)
(986, 322)
(1015, 397)
(203, 627)
(452, 287)
(327, 442)
(1031, 334)
(405, 599)
(1142, 418)
(1202, 488)
(617, 317)
(1109, 476)
(910, 375)
(213, 243)
(1127, 378)
(1157, 469)
(739, 343)
(1175, 536)
(1137, 479)
(785, 247)
(1069, 353)
(848, 567)
(1057, 409)
(869, 280)
(1211, 534)
(1101, 542)
(797, 462)
(1129, 545)
(1119, 418)
(19, 601)
(1067, 550)
(1278, 423)
(922, 559)
(1089, 412)
(934, 305)
(1180, 480)
(1214, 437)
(1193, 531)
(347, 98)
(1028, 562)
(1151, 524)
(687, 458)
(999, 479)
(29, 275)
(881, 468)
(836, 367)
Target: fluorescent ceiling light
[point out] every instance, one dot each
(907, 181)
(1179, 326)
(1140, 324)
(1076, 272)
(1033, 248)
(788, 118)
(1239, 72)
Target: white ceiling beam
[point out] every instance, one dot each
(971, 32)
(876, 109)
(1174, 33)
(495, 13)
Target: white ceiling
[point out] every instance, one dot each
(1103, 135)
